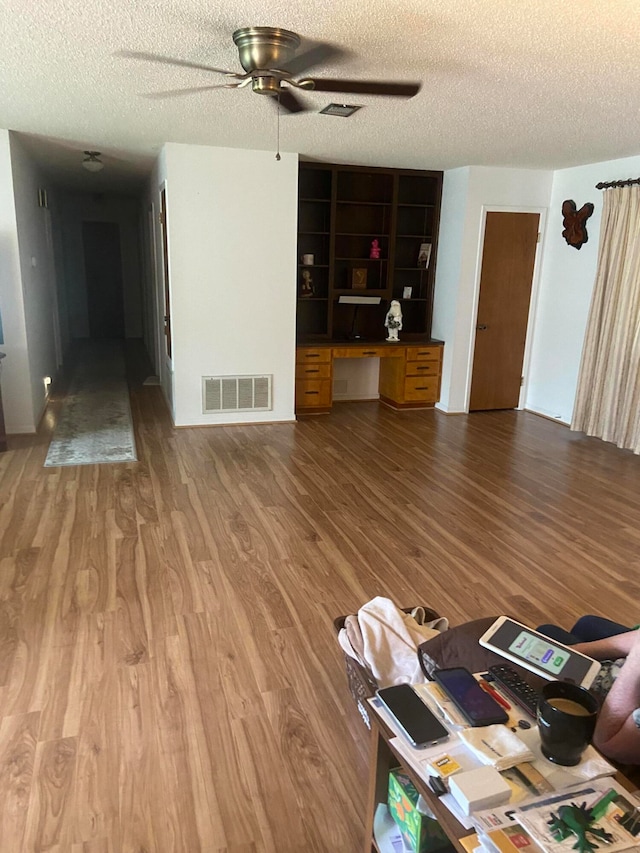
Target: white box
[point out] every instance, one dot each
(482, 788)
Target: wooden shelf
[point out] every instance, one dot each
(353, 205)
(356, 291)
(368, 203)
(408, 204)
(363, 260)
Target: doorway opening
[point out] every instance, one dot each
(103, 276)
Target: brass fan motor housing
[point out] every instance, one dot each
(264, 48)
(266, 85)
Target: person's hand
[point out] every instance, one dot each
(617, 736)
(610, 648)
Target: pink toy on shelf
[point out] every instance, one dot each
(374, 254)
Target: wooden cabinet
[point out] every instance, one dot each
(409, 375)
(382, 759)
(341, 211)
(414, 381)
(313, 380)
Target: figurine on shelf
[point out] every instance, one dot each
(393, 320)
(306, 288)
(374, 254)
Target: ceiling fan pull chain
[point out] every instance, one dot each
(278, 130)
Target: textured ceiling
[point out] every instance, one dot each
(541, 84)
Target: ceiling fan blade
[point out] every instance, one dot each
(314, 56)
(168, 60)
(367, 87)
(174, 93)
(290, 102)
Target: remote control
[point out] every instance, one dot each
(515, 687)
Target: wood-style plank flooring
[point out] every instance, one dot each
(169, 674)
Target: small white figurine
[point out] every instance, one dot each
(393, 320)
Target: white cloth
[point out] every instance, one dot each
(496, 746)
(390, 640)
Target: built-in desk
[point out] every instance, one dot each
(410, 373)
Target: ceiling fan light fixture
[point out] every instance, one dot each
(342, 110)
(91, 162)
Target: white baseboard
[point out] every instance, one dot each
(446, 411)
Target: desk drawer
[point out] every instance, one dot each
(423, 353)
(419, 388)
(423, 368)
(312, 393)
(360, 352)
(309, 370)
(308, 355)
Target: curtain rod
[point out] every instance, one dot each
(606, 185)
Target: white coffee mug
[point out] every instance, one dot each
(307, 260)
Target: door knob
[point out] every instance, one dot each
(481, 327)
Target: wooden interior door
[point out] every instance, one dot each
(165, 265)
(103, 275)
(506, 278)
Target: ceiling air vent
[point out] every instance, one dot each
(236, 394)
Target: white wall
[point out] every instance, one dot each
(232, 221)
(566, 285)
(76, 208)
(451, 242)
(35, 242)
(155, 282)
(361, 375)
(467, 193)
(16, 395)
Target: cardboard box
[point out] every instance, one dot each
(420, 833)
(482, 788)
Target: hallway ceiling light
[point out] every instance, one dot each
(91, 162)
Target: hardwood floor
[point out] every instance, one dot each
(169, 674)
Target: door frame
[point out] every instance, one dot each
(152, 255)
(533, 305)
(165, 293)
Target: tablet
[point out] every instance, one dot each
(539, 654)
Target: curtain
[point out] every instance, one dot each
(608, 397)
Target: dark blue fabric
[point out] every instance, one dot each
(587, 628)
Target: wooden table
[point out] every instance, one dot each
(384, 758)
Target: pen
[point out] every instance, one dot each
(494, 693)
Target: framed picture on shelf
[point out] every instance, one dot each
(359, 278)
(406, 292)
(424, 255)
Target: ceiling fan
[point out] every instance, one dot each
(271, 66)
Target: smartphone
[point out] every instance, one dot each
(476, 706)
(539, 654)
(418, 723)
